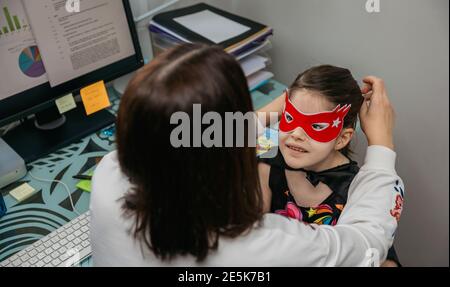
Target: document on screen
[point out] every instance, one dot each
(73, 43)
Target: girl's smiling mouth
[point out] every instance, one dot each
(296, 148)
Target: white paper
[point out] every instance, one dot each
(253, 64)
(262, 47)
(212, 26)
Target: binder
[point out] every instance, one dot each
(245, 39)
(166, 23)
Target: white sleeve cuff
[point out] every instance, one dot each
(380, 157)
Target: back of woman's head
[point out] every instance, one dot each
(338, 86)
(185, 198)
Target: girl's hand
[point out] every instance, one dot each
(389, 263)
(377, 114)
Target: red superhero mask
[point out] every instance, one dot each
(322, 127)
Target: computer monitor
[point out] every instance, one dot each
(51, 48)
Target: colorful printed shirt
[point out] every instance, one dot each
(338, 179)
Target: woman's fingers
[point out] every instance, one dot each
(377, 114)
(364, 108)
(374, 82)
(366, 89)
(378, 89)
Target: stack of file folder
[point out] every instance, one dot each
(245, 39)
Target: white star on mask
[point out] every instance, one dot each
(336, 123)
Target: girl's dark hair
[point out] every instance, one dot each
(185, 198)
(338, 86)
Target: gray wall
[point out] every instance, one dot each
(407, 44)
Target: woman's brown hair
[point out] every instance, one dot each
(338, 86)
(184, 199)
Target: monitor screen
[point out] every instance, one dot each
(49, 48)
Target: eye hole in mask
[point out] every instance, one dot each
(320, 126)
(288, 117)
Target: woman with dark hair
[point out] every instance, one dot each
(154, 204)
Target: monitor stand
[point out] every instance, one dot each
(40, 136)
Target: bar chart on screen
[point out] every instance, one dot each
(18, 51)
(12, 21)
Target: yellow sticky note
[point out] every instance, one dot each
(22, 192)
(95, 98)
(65, 104)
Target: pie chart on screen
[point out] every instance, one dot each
(30, 62)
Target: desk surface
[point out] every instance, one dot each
(49, 208)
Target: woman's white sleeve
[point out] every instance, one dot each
(366, 228)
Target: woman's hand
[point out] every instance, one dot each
(377, 114)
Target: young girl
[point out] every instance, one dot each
(309, 178)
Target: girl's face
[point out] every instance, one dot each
(298, 149)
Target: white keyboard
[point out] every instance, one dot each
(67, 246)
